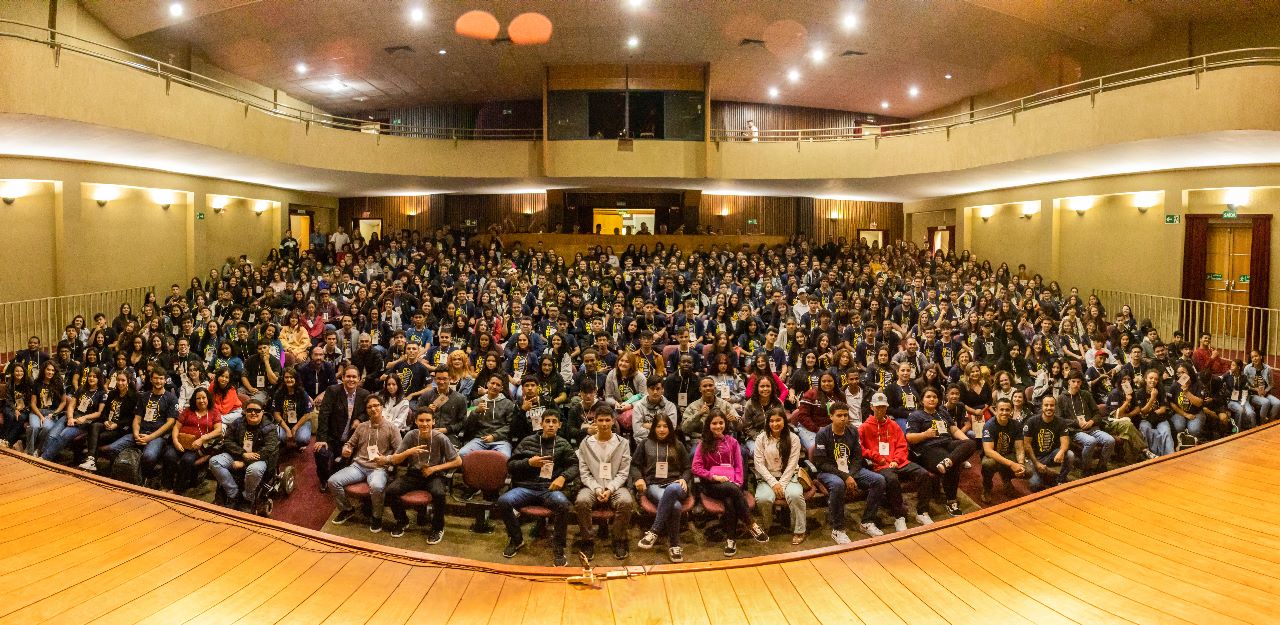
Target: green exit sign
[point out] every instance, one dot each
(1244, 278)
(1230, 213)
(752, 222)
(1173, 219)
(200, 216)
(1214, 277)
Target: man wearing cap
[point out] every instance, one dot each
(885, 447)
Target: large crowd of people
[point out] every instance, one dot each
(754, 381)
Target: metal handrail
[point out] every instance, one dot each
(1234, 328)
(1091, 87)
(60, 41)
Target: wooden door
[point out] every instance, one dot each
(1227, 280)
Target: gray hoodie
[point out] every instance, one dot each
(590, 458)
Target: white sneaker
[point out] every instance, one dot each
(647, 541)
(871, 530)
(840, 537)
(924, 519)
(900, 524)
(968, 465)
(89, 464)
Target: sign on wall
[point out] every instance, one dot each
(1173, 219)
(1216, 277)
(1244, 278)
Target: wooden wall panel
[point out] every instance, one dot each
(850, 215)
(423, 213)
(729, 214)
(734, 116)
(526, 211)
(615, 77)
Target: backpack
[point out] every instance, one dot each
(127, 466)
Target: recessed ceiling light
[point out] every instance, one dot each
(360, 98)
(818, 55)
(301, 68)
(416, 15)
(176, 9)
(633, 41)
(884, 104)
(773, 92)
(850, 21)
(443, 52)
(635, 4)
(948, 76)
(913, 91)
(793, 75)
(335, 84)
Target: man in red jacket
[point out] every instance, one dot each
(1206, 357)
(885, 447)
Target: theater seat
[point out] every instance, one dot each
(484, 470)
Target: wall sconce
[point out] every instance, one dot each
(1145, 200)
(261, 207)
(219, 202)
(11, 190)
(163, 198)
(1029, 209)
(105, 193)
(724, 211)
(1080, 204)
(834, 215)
(985, 212)
(8, 201)
(1237, 197)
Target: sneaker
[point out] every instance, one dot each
(924, 519)
(4, 444)
(90, 465)
(900, 524)
(968, 465)
(647, 541)
(560, 560)
(513, 548)
(324, 487)
(676, 554)
(397, 529)
(375, 525)
(730, 548)
(620, 549)
(588, 549)
(759, 534)
(1149, 454)
(871, 530)
(434, 537)
(953, 508)
(840, 537)
(986, 496)
(344, 516)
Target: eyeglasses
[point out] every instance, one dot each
(252, 410)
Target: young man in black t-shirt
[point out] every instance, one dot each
(1002, 438)
(1048, 447)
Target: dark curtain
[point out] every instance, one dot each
(1260, 281)
(1194, 257)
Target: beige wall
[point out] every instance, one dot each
(918, 224)
(64, 243)
(648, 159)
(1112, 245)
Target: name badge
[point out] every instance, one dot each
(1238, 396)
(908, 401)
(991, 347)
(682, 399)
(84, 403)
(773, 366)
(775, 463)
(660, 470)
(724, 391)
(291, 415)
(248, 443)
(325, 316)
(606, 472)
(535, 417)
(884, 448)
(150, 414)
(262, 381)
(946, 359)
(842, 463)
(372, 450)
(941, 426)
(544, 472)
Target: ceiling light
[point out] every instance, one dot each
(884, 104)
(301, 68)
(176, 9)
(913, 91)
(416, 15)
(635, 4)
(443, 52)
(773, 92)
(948, 76)
(850, 21)
(793, 75)
(818, 55)
(633, 42)
(335, 84)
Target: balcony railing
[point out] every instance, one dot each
(1195, 65)
(1235, 329)
(46, 317)
(61, 42)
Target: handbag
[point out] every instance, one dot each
(803, 476)
(187, 440)
(722, 470)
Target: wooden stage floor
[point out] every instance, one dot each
(1186, 539)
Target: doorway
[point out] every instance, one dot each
(368, 227)
(941, 238)
(1228, 256)
(300, 224)
(874, 238)
(624, 221)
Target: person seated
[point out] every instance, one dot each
(291, 408)
(814, 411)
(540, 467)
(369, 449)
(776, 463)
(646, 410)
(838, 456)
(47, 407)
(717, 461)
(83, 410)
(430, 456)
(343, 408)
(885, 447)
(660, 470)
(1002, 438)
(693, 421)
(604, 463)
(154, 415)
(1081, 413)
(941, 447)
(251, 443)
(489, 423)
(1048, 446)
(447, 405)
(198, 429)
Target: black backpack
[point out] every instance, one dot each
(127, 466)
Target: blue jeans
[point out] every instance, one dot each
(150, 454)
(39, 431)
(794, 495)
(1266, 405)
(55, 443)
(670, 502)
(866, 480)
(1093, 440)
(1040, 482)
(354, 474)
(511, 501)
(228, 418)
(1159, 437)
(220, 466)
(476, 444)
(1246, 416)
(1178, 423)
(807, 438)
(303, 436)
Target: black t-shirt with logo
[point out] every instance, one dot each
(1003, 437)
(1043, 437)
